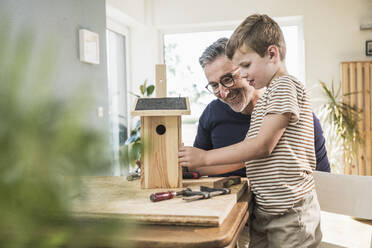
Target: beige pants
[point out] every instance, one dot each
(299, 227)
(243, 238)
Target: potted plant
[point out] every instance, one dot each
(340, 121)
(130, 152)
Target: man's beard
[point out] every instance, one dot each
(236, 100)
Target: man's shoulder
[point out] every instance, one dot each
(208, 112)
(216, 103)
(214, 106)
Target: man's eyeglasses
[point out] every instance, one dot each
(226, 80)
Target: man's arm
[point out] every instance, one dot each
(203, 140)
(272, 128)
(322, 163)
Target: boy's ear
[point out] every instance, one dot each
(273, 52)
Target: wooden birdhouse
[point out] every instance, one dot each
(161, 135)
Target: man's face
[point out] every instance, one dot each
(238, 96)
(256, 70)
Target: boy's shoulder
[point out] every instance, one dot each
(285, 82)
(286, 79)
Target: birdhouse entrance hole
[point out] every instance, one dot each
(160, 129)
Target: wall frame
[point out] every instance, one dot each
(369, 47)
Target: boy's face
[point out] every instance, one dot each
(257, 70)
(239, 96)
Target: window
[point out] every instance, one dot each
(117, 88)
(185, 76)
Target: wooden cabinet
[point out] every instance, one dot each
(357, 80)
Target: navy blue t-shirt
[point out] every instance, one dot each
(220, 126)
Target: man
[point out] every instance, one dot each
(226, 120)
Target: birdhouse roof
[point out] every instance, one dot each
(161, 106)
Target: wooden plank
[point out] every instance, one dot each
(361, 73)
(160, 164)
(369, 114)
(161, 80)
(367, 117)
(353, 102)
(346, 89)
(116, 198)
(134, 106)
(360, 103)
(213, 182)
(203, 181)
(191, 236)
(179, 120)
(142, 179)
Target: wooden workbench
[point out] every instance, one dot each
(170, 230)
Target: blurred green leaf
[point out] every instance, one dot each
(343, 119)
(143, 87)
(46, 146)
(133, 144)
(150, 89)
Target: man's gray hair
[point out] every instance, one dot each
(213, 51)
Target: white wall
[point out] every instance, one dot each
(133, 8)
(331, 27)
(144, 43)
(56, 24)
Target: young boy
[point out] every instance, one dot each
(279, 147)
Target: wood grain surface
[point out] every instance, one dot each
(160, 156)
(213, 182)
(163, 236)
(356, 90)
(115, 197)
(161, 80)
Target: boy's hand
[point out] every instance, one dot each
(191, 157)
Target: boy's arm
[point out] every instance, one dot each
(272, 128)
(218, 169)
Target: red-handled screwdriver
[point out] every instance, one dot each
(186, 174)
(160, 196)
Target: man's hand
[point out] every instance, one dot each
(191, 157)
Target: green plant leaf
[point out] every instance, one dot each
(131, 139)
(150, 89)
(46, 147)
(344, 119)
(138, 124)
(137, 150)
(143, 87)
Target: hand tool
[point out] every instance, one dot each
(206, 193)
(160, 196)
(186, 174)
(227, 182)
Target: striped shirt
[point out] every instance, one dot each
(285, 176)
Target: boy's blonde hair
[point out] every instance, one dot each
(257, 32)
